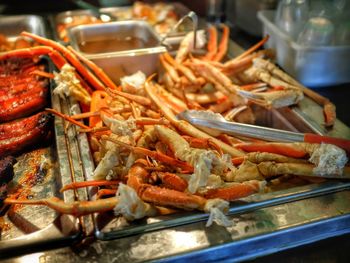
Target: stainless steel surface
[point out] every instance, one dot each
(12, 26)
(240, 129)
(264, 223)
(180, 9)
(40, 174)
(122, 13)
(107, 227)
(254, 233)
(328, 63)
(121, 63)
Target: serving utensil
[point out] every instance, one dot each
(215, 124)
(190, 15)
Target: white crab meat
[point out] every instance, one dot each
(329, 160)
(202, 168)
(217, 209)
(134, 82)
(105, 167)
(130, 204)
(66, 81)
(118, 127)
(187, 44)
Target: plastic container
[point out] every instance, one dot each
(319, 66)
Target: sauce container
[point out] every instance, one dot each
(119, 48)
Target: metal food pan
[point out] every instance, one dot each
(120, 63)
(108, 227)
(40, 174)
(12, 26)
(121, 13)
(307, 116)
(125, 13)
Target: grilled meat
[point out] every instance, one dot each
(22, 134)
(22, 91)
(6, 174)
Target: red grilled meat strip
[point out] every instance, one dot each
(31, 131)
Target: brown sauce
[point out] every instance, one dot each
(112, 45)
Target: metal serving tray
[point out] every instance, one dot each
(263, 224)
(297, 118)
(108, 227)
(12, 26)
(120, 63)
(41, 173)
(67, 16)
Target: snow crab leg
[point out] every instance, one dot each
(222, 49)
(70, 57)
(184, 126)
(77, 208)
(329, 108)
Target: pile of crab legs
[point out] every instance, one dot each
(154, 163)
(229, 88)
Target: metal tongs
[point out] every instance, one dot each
(193, 17)
(215, 124)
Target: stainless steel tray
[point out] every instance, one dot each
(117, 64)
(64, 17)
(12, 26)
(39, 174)
(264, 224)
(306, 117)
(107, 227)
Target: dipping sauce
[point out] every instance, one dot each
(112, 45)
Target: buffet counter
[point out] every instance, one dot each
(310, 225)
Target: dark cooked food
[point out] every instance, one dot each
(19, 135)
(22, 91)
(6, 174)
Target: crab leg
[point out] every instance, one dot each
(202, 143)
(234, 191)
(296, 150)
(99, 99)
(67, 118)
(212, 43)
(70, 57)
(274, 99)
(55, 56)
(156, 155)
(257, 157)
(329, 108)
(87, 184)
(77, 208)
(105, 192)
(270, 169)
(253, 48)
(223, 44)
(171, 70)
(97, 70)
(138, 99)
(137, 177)
(187, 128)
(184, 70)
(173, 181)
(98, 113)
(234, 66)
